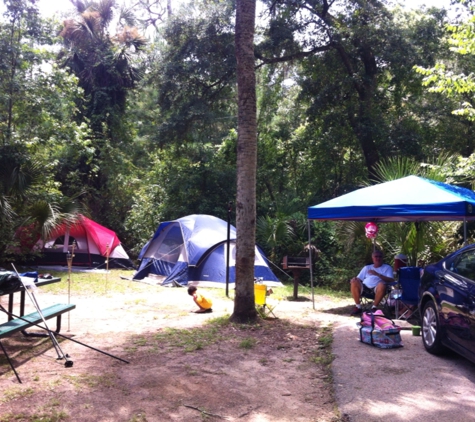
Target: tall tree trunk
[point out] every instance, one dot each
(244, 307)
(14, 46)
(365, 123)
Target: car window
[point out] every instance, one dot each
(464, 265)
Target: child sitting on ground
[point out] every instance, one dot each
(203, 303)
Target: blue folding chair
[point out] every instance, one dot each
(409, 281)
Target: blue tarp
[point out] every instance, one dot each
(193, 249)
(411, 198)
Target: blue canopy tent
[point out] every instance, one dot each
(410, 198)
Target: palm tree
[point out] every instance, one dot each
(19, 202)
(244, 308)
(105, 65)
(17, 175)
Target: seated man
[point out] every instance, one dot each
(374, 276)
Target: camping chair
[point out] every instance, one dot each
(367, 299)
(260, 297)
(409, 282)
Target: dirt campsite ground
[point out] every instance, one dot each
(181, 366)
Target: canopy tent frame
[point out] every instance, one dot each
(409, 199)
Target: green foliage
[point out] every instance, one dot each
(196, 75)
(181, 180)
(136, 133)
(104, 64)
(454, 79)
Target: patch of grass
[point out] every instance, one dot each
(138, 417)
(86, 283)
(191, 372)
(323, 355)
(248, 343)
(94, 283)
(16, 393)
(140, 341)
(305, 292)
(219, 321)
(43, 416)
(135, 302)
(54, 403)
(325, 340)
(194, 339)
(85, 380)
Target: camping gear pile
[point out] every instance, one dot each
(9, 281)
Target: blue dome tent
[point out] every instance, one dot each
(193, 250)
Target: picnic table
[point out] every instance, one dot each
(19, 322)
(11, 295)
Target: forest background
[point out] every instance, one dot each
(128, 114)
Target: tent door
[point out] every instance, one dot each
(66, 241)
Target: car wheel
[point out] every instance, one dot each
(431, 332)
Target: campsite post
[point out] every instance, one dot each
(69, 260)
(227, 249)
(107, 262)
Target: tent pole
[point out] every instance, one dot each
(310, 259)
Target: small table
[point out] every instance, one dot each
(39, 283)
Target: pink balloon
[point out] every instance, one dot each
(371, 230)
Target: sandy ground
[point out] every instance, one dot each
(269, 372)
(279, 376)
(404, 384)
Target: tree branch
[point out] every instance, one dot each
(291, 57)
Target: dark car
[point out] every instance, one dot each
(447, 304)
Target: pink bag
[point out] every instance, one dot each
(379, 331)
(380, 321)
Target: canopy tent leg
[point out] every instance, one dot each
(310, 260)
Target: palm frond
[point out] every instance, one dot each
(396, 168)
(6, 210)
(48, 216)
(106, 11)
(127, 16)
(79, 5)
(438, 169)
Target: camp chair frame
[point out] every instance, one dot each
(265, 310)
(409, 282)
(367, 299)
(262, 307)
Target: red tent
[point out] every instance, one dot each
(93, 244)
